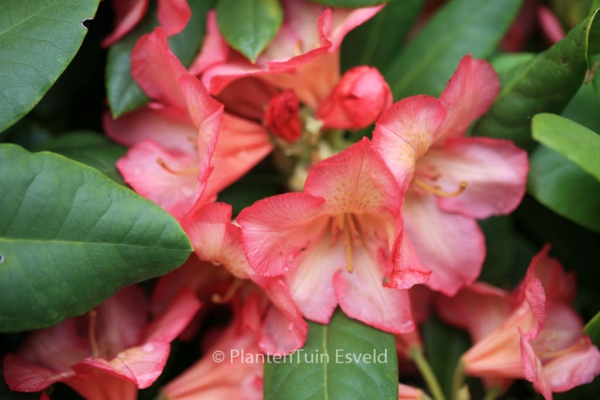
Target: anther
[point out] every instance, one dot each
(235, 285)
(435, 189)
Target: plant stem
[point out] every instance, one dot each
(458, 379)
(492, 393)
(416, 355)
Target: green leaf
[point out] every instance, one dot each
(343, 360)
(38, 39)
(352, 3)
(577, 143)
(249, 25)
(376, 40)
(583, 108)
(70, 238)
(91, 149)
(592, 329)
(545, 84)
(124, 94)
(564, 187)
(460, 27)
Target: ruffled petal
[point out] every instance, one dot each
(469, 94)
(404, 133)
(406, 268)
(277, 229)
(450, 245)
(95, 384)
(532, 368)
(22, 375)
(495, 172)
(573, 369)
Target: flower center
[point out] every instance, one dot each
(545, 346)
(424, 182)
(349, 227)
(226, 298)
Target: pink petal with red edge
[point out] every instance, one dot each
(450, 245)
(275, 230)
(469, 94)
(558, 285)
(170, 324)
(404, 133)
(355, 181)
(95, 384)
(22, 375)
(141, 365)
(168, 178)
(406, 268)
(532, 368)
(311, 279)
(156, 125)
(173, 15)
(479, 308)
(495, 172)
(283, 330)
(362, 296)
(128, 14)
(156, 69)
(214, 49)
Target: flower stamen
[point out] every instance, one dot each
(189, 171)
(92, 333)
(435, 189)
(219, 299)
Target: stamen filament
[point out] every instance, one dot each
(348, 244)
(189, 171)
(92, 333)
(436, 189)
(235, 285)
(558, 353)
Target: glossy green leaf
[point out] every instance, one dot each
(38, 39)
(70, 238)
(375, 41)
(583, 108)
(124, 94)
(564, 187)
(352, 3)
(592, 329)
(460, 27)
(89, 148)
(249, 25)
(343, 360)
(545, 84)
(577, 143)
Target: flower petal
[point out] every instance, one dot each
(406, 268)
(469, 94)
(173, 15)
(362, 296)
(172, 322)
(532, 368)
(22, 375)
(95, 384)
(127, 14)
(276, 229)
(214, 49)
(450, 245)
(404, 133)
(495, 172)
(355, 181)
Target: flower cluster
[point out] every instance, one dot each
(359, 225)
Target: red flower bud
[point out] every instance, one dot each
(282, 116)
(357, 101)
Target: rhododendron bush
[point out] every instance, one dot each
(299, 199)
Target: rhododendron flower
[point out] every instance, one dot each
(282, 117)
(184, 148)
(531, 333)
(332, 242)
(280, 327)
(449, 179)
(238, 375)
(106, 354)
(173, 16)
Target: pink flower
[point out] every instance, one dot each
(279, 326)
(238, 375)
(331, 243)
(449, 179)
(173, 16)
(357, 101)
(282, 116)
(532, 333)
(106, 354)
(184, 148)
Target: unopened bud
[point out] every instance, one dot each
(282, 116)
(357, 101)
